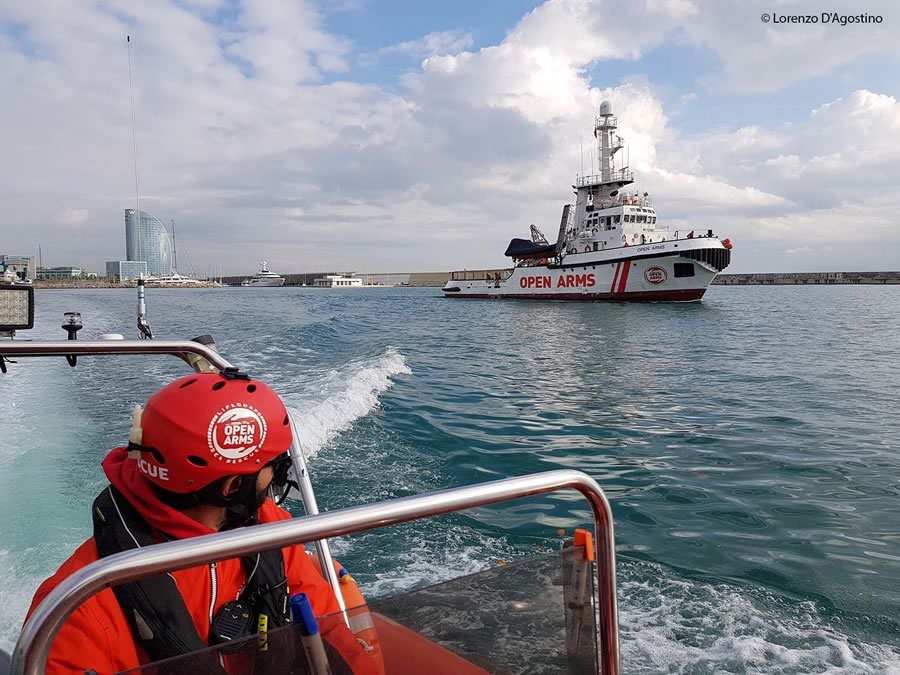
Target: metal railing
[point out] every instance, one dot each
(619, 175)
(21, 348)
(32, 650)
(24, 348)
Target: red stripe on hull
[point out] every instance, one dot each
(612, 286)
(677, 295)
(626, 267)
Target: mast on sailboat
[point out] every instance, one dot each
(174, 250)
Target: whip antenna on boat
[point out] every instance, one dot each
(137, 199)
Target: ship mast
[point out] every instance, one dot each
(608, 144)
(609, 179)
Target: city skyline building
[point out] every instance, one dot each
(125, 270)
(147, 240)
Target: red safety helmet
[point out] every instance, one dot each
(206, 426)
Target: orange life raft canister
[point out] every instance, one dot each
(361, 622)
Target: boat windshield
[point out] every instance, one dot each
(529, 616)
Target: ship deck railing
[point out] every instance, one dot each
(618, 176)
(481, 275)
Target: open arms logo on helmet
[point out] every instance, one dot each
(236, 432)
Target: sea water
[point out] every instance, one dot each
(748, 444)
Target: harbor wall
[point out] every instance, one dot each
(804, 278)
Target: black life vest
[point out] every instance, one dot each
(155, 611)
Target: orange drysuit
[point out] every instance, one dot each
(97, 636)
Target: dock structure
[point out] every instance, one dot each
(807, 278)
(410, 279)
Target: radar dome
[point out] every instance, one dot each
(606, 108)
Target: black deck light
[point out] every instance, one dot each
(16, 311)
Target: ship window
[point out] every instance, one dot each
(616, 219)
(684, 269)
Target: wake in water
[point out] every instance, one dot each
(336, 399)
(675, 625)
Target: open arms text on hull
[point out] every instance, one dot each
(608, 248)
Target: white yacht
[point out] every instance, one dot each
(176, 280)
(264, 278)
(609, 247)
(7, 276)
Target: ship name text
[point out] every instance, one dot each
(564, 281)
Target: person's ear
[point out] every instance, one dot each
(230, 486)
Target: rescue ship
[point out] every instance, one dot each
(610, 246)
(553, 613)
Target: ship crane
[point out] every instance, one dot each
(537, 236)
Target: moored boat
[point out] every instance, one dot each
(265, 278)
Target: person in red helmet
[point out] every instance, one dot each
(201, 459)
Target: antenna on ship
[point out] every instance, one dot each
(581, 144)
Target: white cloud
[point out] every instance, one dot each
(760, 57)
(72, 217)
(433, 44)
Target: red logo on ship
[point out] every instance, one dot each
(655, 275)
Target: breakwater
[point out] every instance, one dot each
(807, 278)
(411, 279)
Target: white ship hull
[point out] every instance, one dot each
(631, 274)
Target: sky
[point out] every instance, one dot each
(402, 136)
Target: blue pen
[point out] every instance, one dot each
(305, 619)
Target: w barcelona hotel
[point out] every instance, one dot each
(148, 248)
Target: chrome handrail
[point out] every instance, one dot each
(23, 348)
(33, 648)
